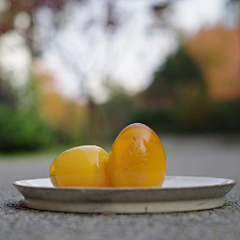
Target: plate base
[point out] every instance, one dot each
(148, 207)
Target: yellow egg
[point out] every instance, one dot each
(137, 158)
(80, 166)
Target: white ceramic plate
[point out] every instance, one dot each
(179, 193)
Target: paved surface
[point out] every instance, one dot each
(202, 156)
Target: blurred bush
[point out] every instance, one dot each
(226, 116)
(22, 130)
(178, 101)
(213, 117)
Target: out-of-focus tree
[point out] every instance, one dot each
(97, 33)
(198, 88)
(19, 15)
(219, 65)
(178, 77)
(177, 98)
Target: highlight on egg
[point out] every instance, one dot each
(80, 166)
(137, 158)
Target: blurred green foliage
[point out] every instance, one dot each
(213, 117)
(177, 101)
(22, 130)
(179, 68)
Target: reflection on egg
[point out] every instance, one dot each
(80, 166)
(137, 158)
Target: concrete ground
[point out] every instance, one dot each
(213, 156)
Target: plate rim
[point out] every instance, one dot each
(229, 183)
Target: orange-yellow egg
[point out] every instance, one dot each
(80, 166)
(137, 158)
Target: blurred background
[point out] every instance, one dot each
(77, 72)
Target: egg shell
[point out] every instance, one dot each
(137, 158)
